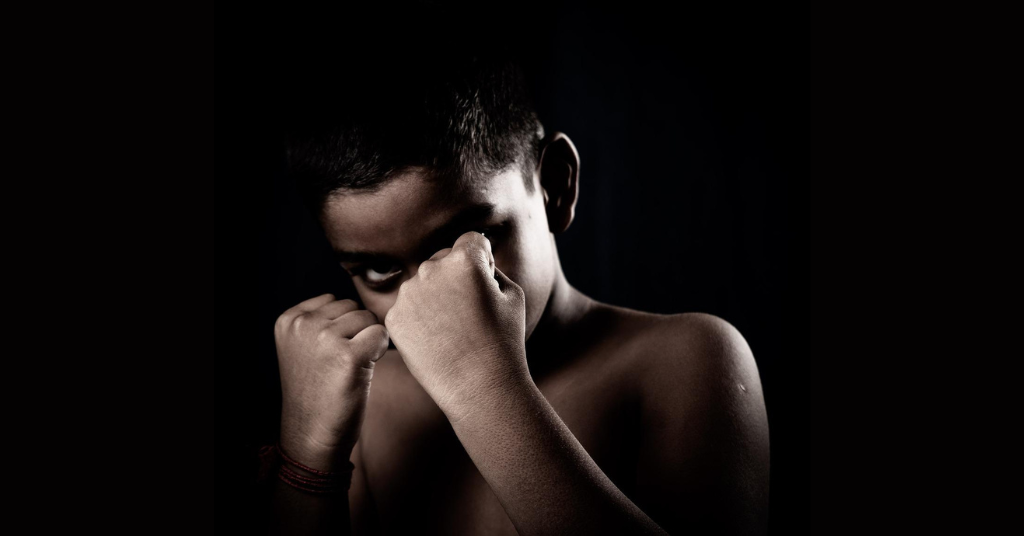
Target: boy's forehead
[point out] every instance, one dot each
(408, 208)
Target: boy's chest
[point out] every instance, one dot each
(423, 481)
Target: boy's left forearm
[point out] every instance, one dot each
(546, 481)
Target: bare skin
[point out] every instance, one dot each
(619, 421)
(598, 391)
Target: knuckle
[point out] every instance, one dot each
(470, 257)
(425, 268)
(472, 238)
(325, 336)
(301, 320)
(406, 287)
(440, 254)
(315, 299)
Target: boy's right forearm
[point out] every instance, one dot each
(302, 513)
(326, 351)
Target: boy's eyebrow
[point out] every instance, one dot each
(470, 215)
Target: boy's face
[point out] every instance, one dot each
(381, 238)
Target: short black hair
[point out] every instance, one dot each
(458, 106)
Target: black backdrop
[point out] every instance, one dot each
(692, 127)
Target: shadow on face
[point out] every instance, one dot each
(380, 238)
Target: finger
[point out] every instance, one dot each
(308, 305)
(314, 303)
(440, 254)
(478, 248)
(352, 322)
(372, 341)
(335, 309)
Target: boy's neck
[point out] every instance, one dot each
(552, 340)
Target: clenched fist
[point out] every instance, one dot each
(326, 351)
(460, 325)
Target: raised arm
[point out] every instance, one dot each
(545, 480)
(326, 350)
(459, 325)
(295, 511)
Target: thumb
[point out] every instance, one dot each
(371, 343)
(512, 291)
(478, 247)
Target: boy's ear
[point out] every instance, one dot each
(559, 180)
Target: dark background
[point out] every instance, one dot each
(692, 128)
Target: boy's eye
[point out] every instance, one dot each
(376, 274)
(490, 232)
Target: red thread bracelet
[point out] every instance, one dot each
(288, 459)
(319, 486)
(324, 481)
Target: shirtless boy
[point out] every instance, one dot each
(511, 403)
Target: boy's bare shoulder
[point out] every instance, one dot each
(681, 345)
(706, 431)
(683, 364)
(701, 344)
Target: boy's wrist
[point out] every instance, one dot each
(486, 396)
(276, 465)
(315, 455)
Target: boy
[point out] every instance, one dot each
(507, 402)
